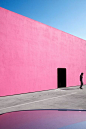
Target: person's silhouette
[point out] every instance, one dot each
(81, 80)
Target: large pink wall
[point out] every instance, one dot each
(31, 52)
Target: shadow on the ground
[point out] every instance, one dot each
(71, 89)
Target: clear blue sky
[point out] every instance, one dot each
(65, 15)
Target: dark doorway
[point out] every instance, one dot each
(61, 76)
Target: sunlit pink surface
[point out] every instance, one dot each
(31, 52)
(42, 119)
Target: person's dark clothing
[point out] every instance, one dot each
(81, 81)
(81, 78)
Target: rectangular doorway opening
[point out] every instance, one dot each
(61, 76)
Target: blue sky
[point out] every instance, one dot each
(66, 15)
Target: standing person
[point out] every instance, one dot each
(81, 80)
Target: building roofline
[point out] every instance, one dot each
(43, 23)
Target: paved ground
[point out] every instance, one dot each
(63, 98)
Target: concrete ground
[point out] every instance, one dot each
(63, 98)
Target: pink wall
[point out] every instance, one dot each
(31, 52)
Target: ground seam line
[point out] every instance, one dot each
(37, 101)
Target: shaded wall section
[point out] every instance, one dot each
(31, 52)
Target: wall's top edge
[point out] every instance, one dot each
(43, 23)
